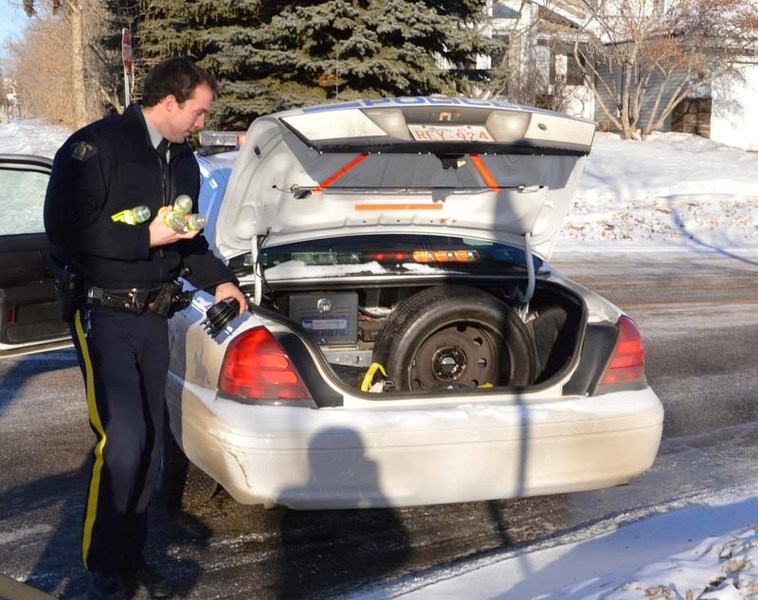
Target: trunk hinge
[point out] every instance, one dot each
(526, 296)
(257, 270)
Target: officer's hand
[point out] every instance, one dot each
(161, 234)
(229, 290)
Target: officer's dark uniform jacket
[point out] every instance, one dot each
(107, 167)
(101, 170)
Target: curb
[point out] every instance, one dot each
(10, 589)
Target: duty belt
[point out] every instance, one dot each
(133, 300)
(164, 300)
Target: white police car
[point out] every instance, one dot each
(406, 341)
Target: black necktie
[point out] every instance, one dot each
(163, 148)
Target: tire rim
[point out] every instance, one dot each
(458, 355)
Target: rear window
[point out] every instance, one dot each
(386, 255)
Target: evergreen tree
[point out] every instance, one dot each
(270, 55)
(310, 52)
(208, 31)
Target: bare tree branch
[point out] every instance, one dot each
(666, 54)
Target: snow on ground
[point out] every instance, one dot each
(673, 192)
(31, 136)
(706, 550)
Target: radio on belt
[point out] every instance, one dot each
(330, 318)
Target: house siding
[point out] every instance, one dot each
(733, 118)
(647, 103)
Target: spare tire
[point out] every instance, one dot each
(455, 336)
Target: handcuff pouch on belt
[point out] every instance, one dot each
(170, 299)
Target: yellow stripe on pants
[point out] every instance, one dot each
(94, 417)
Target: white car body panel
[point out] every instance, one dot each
(375, 457)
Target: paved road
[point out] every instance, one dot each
(699, 316)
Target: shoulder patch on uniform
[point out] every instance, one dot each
(82, 150)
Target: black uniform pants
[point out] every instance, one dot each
(124, 360)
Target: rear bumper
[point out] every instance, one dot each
(377, 457)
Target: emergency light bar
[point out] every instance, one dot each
(232, 139)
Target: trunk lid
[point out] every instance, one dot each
(441, 166)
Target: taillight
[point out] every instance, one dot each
(626, 369)
(256, 367)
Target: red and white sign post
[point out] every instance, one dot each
(126, 56)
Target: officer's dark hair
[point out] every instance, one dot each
(176, 77)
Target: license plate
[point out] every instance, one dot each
(450, 133)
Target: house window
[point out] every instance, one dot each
(574, 70)
(499, 59)
(500, 10)
(565, 66)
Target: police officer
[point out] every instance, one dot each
(119, 325)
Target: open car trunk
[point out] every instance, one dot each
(470, 319)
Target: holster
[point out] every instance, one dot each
(170, 299)
(161, 305)
(68, 283)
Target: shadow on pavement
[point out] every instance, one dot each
(58, 569)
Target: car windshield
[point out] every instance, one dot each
(386, 255)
